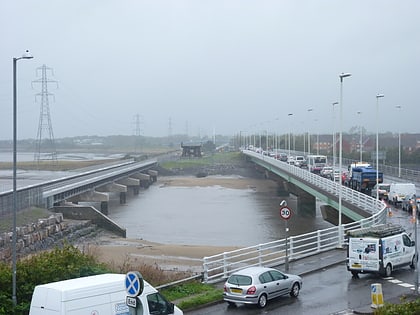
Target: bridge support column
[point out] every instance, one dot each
(282, 188)
(123, 198)
(153, 175)
(104, 207)
(306, 204)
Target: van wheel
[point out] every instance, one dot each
(388, 270)
(355, 274)
(262, 301)
(413, 262)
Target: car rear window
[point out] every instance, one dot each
(240, 280)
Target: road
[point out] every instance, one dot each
(332, 289)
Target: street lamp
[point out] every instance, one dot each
(290, 115)
(342, 76)
(333, 136)
(399, 143)
(309, 136)
(26, 55)
(378, 96)
(361, 138)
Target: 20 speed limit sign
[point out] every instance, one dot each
(285, 213)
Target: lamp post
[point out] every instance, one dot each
(378, 96)
(290, 131)
(333, 135)
(317, 136)
(361, 139)
(399, 143)
(340, 162)
(26, 55)
(309, 135)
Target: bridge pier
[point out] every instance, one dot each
(306, 203)
(104, 207)
(144, 179)
(123, 198)
(153, 175)
(132, 183)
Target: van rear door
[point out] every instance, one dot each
(363, 255)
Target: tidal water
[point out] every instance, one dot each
(212, 215)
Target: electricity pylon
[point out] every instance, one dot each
(45, 146)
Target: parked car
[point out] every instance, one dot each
(257, 285)
(383, 190)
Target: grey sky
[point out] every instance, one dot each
(214, 66)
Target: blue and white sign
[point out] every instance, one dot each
(134, 284)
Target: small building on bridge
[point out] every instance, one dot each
(191, 150)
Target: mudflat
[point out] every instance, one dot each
(117, 251)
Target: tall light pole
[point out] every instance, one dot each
(317, 136)
(399, 142)
(333, 135)
(309, 135)
(290, 131)
(342, 76)
(26, 55)
(378, 96)
(361, 138)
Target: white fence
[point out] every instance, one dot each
(220, 266)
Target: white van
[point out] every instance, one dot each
(399, 191)
(101, 294)
(379, 249)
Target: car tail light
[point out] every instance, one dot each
(224, 288)
(251, 290)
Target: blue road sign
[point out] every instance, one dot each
(134, 284)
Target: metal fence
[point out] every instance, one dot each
(220, 266)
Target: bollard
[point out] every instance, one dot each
(376, 295)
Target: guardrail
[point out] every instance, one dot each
(220, 266)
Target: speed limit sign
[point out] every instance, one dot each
(285, 213)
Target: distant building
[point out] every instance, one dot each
(191, 150)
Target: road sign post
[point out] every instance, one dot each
(285, 214)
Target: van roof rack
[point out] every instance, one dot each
(380, 230)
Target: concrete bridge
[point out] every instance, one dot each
(307, 187)
(88, 186)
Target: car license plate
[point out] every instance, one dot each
(233, 290)
(356, 265)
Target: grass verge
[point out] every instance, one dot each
(193, 294)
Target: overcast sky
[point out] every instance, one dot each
(210, 66)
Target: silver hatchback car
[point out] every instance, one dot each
(257, 285)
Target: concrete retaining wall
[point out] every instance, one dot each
(76, 212)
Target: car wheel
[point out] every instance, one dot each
(388, 270)
(231, 304)
(355, 274)
(295, 290)
(262, 301)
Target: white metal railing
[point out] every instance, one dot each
(220, 266)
